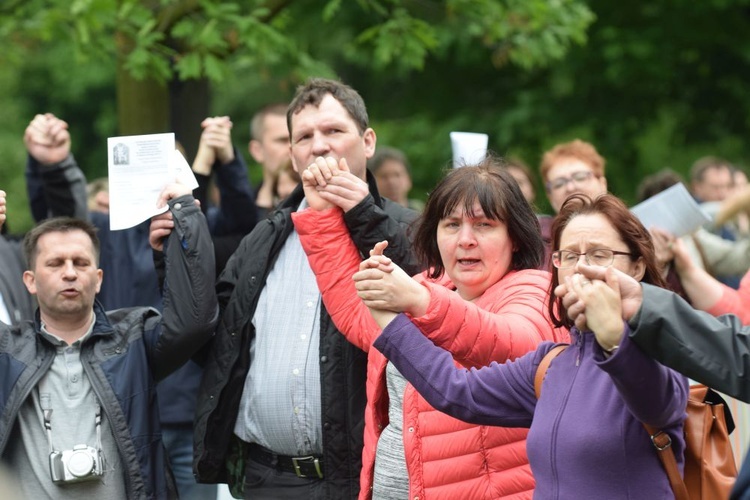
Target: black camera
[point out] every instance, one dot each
(82, 463)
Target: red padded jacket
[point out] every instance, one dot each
(446, 458)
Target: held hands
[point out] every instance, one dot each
(215, 143)
(47, 139)
(382, 285)
(603, 307)
(630, 292)
(315, 178)
(162, 224)
(333, 185)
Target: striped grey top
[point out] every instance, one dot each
(391, 479)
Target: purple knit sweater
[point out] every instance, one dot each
(586, 439)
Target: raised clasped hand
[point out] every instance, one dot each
(315, 178)
(382, 285)
(603, 306)
(47, 139)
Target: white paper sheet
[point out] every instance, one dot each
(673, 210)
(469, 148)
(140, 166)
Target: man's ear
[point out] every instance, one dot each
(99, 276)
(370, 139)
(256, 151)
(30, 281)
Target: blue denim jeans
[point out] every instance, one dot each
(179, 443)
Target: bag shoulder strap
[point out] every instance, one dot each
(541, 370)
(663, 444)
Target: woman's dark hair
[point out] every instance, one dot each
(500, 198)
(628, 227)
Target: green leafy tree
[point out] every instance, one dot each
(154, 42)
(158, 63)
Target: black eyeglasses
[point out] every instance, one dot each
(577, 177)
(602, 257)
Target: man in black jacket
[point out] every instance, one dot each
(281, 406)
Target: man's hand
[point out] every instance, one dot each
(603, 307)
(47, 139)
(631, 293)
(2, 208)
(162, 225)
(345, 190)
(335, 183)
(314, 178)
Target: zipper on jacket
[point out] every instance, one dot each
(579, 341)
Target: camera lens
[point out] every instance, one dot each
(81, 463)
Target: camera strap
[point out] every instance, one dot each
(48, 427)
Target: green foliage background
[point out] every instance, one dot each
(652, 84)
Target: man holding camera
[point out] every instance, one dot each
(78, 412)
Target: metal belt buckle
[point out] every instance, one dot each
(296, 461)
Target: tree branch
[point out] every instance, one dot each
(173, 13)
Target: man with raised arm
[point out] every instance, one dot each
(281, 407)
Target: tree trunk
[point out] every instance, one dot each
(142, 105)
(189, 105)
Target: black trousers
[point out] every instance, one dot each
(263, 482)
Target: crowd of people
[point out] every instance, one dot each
(326, 336)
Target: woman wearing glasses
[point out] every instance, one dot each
(483, 298)
(586, 437)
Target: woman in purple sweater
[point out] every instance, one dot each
(586, 437)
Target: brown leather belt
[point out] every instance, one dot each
(308, 466)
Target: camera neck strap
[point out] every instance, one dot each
(48, 427)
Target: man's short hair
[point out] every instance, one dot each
(313, 92)
(57, 225)
(656, 183)
(384, 154)
(258, 123)
(577, 149)
(706, 163)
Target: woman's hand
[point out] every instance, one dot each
(382, 318)
(603, 307)
(383, 285)
(683, 263)
(664, 248)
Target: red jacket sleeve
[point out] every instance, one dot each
(735, 301)
(507, 321)
(334, 259)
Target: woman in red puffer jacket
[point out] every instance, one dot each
(483, 299)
